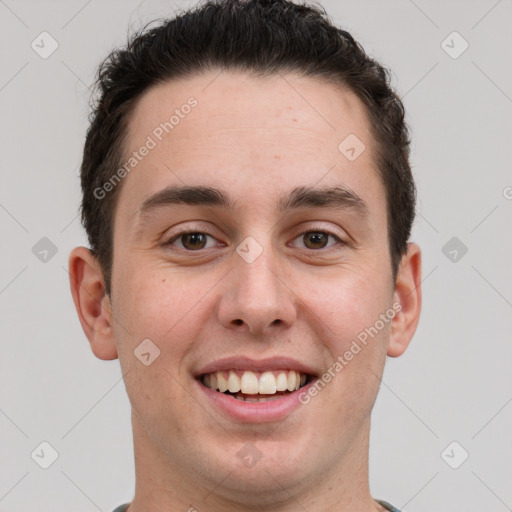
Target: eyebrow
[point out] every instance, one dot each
(335, 197)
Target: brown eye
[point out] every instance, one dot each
(191, 240)
(318, 239)
(315, 240)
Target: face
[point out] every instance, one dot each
(269, 284)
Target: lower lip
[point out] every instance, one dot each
(254, 412)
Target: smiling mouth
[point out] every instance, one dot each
(251, 386)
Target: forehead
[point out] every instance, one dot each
(250, 134)
(227, 100)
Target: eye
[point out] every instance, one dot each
(191, 240)
(197, 240)
(318, 239)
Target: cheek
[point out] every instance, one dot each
(348, 315)
(157, 304)
(155, 309)
(345, 307)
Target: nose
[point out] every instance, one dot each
(257, 297)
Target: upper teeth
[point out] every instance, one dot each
(251, 383)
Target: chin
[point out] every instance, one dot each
(256, 472)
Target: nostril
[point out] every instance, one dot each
(238, 321)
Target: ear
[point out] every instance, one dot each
(408, 295)
(92, 304)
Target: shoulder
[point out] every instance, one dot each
(121, 508)
(385, 504)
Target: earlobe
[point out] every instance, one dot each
(408, 295)
(92, 304)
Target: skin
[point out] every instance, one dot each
(257, 138)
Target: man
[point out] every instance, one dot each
(248, 200)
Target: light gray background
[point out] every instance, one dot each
(454, 382)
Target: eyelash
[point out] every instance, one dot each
(310, 230)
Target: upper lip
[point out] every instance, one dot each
(255, 365)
